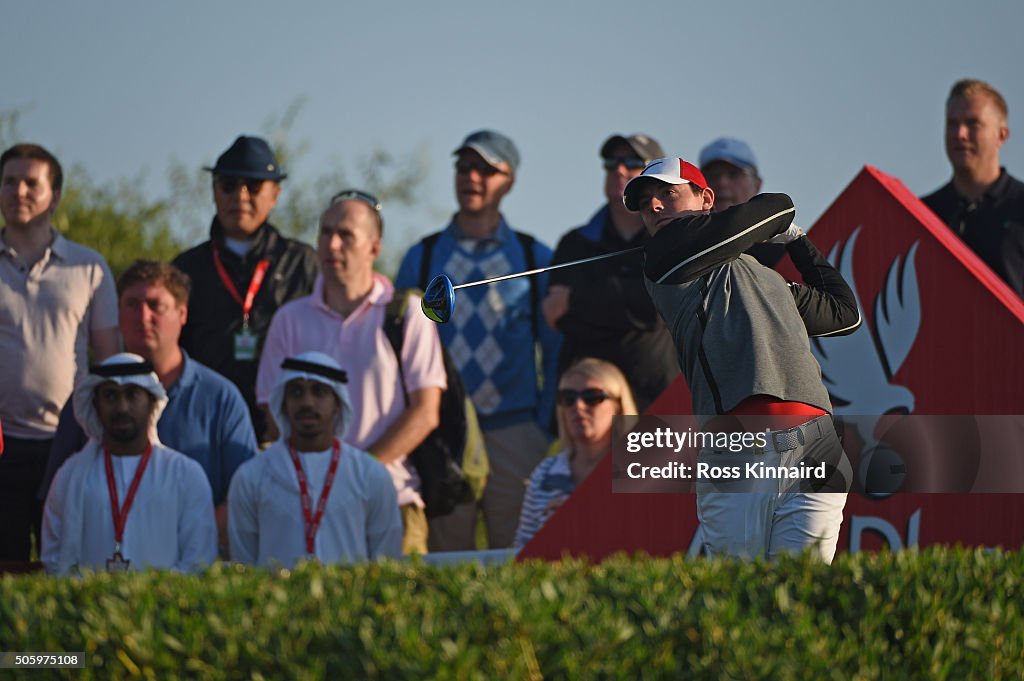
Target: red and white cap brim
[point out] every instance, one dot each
(671, 170)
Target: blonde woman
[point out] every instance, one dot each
(590, 393)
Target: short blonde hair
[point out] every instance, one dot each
(611, 380)
(968, 87)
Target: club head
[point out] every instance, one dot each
(439, 299)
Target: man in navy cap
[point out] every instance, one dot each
(602, 309)
(245, 271)
(495, 335)
(731, 171)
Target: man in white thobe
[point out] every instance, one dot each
(125, 501)
(310, 495)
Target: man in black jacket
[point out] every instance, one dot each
(602, 309)
(245, 271)
(982, 202)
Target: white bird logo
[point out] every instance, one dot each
(858, 369)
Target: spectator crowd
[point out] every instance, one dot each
(245, 402)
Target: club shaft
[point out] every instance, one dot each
(545, 269)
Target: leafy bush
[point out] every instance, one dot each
(935, 614)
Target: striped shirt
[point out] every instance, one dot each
(550, 480)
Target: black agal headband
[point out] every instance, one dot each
(318, 369)
(116, 370)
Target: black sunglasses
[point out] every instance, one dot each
(631, 163)
(485, 169)
(230, 184)
(590, 396)
(358, 195)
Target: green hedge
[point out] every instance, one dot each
(935, 614)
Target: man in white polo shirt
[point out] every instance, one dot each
(57, 302)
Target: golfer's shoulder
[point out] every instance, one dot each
(768, 205)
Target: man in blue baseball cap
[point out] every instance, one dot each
(731, 171)
(245, 271)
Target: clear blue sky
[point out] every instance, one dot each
(817, 88)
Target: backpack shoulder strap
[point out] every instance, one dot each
(527, 242)
(428, 242)
(394, 329)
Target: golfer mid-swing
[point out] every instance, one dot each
(741, 333)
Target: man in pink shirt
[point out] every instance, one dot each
(344, 318)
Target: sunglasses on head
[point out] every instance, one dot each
(357, 195)
(229, 184)
(631, 163)
(485, 169)
(590, 396)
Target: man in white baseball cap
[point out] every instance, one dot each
(310, 495)
(741, 333)
(125, 501)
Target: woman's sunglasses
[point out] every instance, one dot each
(590, 396)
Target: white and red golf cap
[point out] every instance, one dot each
(672, 170)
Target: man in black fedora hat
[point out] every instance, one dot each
(245, 271)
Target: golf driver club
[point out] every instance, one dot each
(439, 299)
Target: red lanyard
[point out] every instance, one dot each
(120, 514)
(312, 521)
(254, 283)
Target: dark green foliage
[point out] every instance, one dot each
(937, 614)
(115, 219)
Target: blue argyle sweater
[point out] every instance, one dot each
(490, 336)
